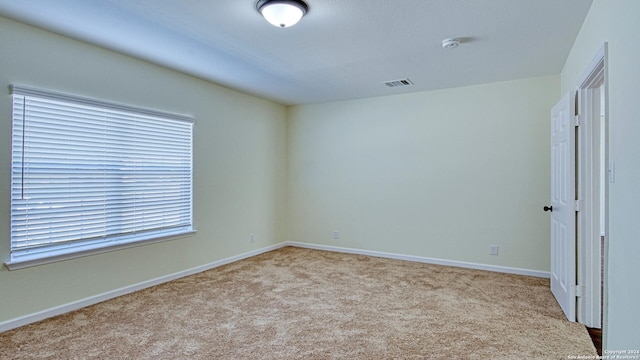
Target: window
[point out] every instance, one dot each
(90, 176)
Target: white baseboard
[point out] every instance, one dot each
(58, 310)
(462, 264)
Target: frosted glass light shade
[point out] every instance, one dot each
(282, 13)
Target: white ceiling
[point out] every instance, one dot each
(342, 49)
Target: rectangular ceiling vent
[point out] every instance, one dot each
(396, 83)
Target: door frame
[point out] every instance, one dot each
(588, 182)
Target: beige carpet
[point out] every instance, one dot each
(305, 304)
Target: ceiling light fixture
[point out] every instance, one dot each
(282, 13)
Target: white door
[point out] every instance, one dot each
(563, 211)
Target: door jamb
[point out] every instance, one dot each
(589, 260)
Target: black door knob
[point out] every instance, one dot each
(548, 208)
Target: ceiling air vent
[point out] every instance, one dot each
(396, 83)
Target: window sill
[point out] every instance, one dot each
(27, 262)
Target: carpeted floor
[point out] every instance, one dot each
(297, 303)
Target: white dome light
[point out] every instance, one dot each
(282, 13)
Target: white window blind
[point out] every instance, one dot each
(89, 175)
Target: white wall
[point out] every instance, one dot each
(616, 22)
(439, 174)
(239, 166)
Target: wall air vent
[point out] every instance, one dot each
(396, 83)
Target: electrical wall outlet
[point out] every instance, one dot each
(335, 235)
(252, 237)
(493, 249)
